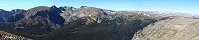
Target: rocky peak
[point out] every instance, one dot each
(53, 6)
(55, 9)
(33, 11)
(49, 13)
(83, 6)
(92, 13)
(16, 11)
(39, 8)
(67, 8)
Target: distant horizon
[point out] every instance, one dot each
(183, 6)
(100, 8)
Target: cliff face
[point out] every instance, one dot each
(170, 29)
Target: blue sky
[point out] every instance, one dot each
(185, 6)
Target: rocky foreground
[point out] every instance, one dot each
(9, 36)
(170, 29)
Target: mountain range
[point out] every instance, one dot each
(85, 23)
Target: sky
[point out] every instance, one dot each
(184, 6)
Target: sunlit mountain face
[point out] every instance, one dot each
(91, 23)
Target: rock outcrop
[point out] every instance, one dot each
(9, 36)
(170, 29)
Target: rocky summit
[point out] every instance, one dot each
(91, 23)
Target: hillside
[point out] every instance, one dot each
(170, 29)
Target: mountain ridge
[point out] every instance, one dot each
(84, 23)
